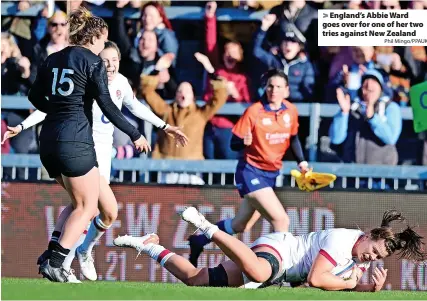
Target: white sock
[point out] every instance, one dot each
(96, 230)
(70, 257)
(209, 229)
(227, 226)
(159, 253)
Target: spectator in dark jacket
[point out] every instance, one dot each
(303, 16)
(15, 68)
(153, 18)
(290, 58)
(55, 40)
(368, 128)
(141, 60)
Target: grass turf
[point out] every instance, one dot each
(40, 289)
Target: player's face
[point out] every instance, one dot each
(290, 49)
(99, 43)
(371, 90)
(111, 61)
(184, 95)
(58, 28)
(148, 44)
(277, 89)
(369, 250)
(151, 18)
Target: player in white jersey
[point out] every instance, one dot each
(315, 258)
(121, 93)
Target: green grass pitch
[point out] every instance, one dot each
(41, 289)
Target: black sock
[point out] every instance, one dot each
(58, 255)
(54, 239)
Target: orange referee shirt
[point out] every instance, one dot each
(271, 133)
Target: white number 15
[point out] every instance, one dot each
(64, 79)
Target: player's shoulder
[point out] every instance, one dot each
(121, 79)
(255, 108)
(290, 106)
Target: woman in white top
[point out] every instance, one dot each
(318, 258)
(121, 93)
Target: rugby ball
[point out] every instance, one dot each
(344, 271)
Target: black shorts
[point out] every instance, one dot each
(71, 159)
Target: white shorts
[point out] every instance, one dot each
(281, 242)
(103, 156)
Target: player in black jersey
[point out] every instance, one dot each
(67, 83)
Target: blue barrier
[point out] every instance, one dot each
(228, 166)
(304, 109)
(173, 12)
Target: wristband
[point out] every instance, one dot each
(165, 127)
(22, 127)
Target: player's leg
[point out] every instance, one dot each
(269, 206)
(257, 267)
(108, 209)
(245, 218)
(80, 176)
(226, 274)
(101, 223)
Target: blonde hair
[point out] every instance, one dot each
(84, 26)
(14, 49)
(58, 13)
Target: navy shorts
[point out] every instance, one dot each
(249, 178)
(71, 159)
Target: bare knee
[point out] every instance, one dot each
(281, 223)
(239, 226)
(255, 275)
(109, 216)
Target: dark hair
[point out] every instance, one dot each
(407, 243)
(112, 45)
(161, 11)
(273, 73)
(84, 26)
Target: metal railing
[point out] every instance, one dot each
(139, 169)
(315, 111)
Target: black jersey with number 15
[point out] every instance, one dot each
(66, 85)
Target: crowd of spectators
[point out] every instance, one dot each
(369, 83)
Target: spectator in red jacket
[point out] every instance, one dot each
(218, 131)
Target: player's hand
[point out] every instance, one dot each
(267, 21)
(303, 166)
(165, 61)
(247, 139)
(180, 137)
(379, 277)
(12, 131)
(343, 100)
(210, 9)
(142, 145)
(354, 278)
(204, 60)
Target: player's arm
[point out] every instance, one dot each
(296, 147)
(98, 80)
(320, 275)
(141, 111)
(37, 95)
(242, 132)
